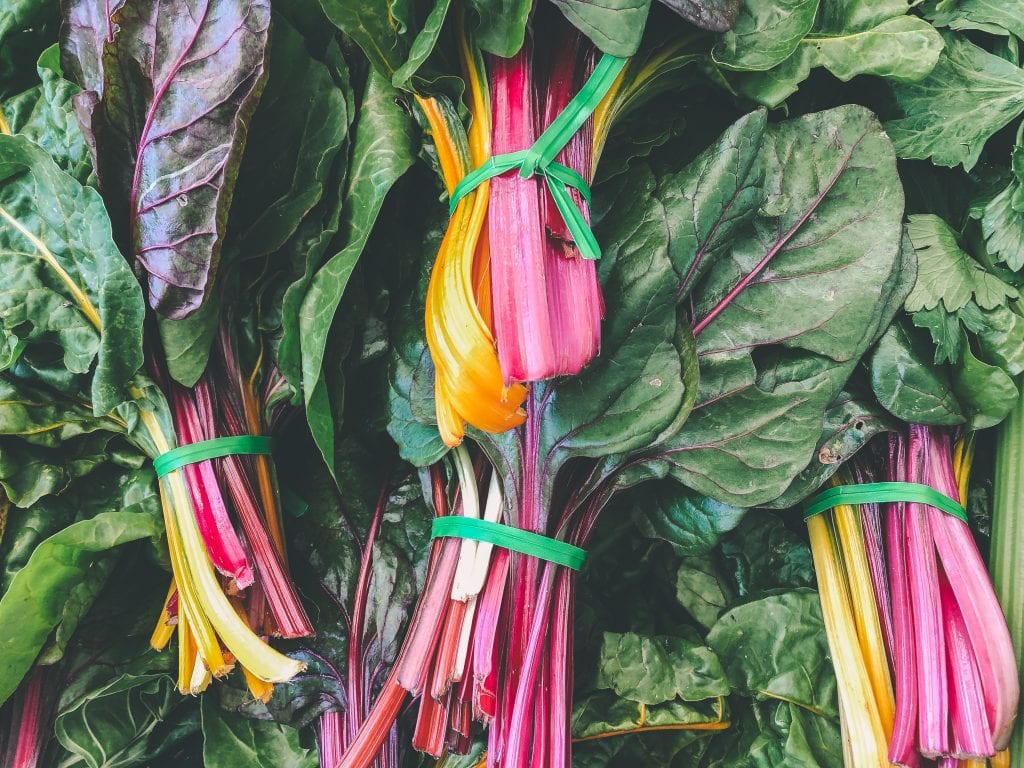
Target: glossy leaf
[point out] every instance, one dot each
(35, 603)
(766, 33)
(46, 115)
(502, 26)
(907, 385)
(614, 26)
(757, 418)
(692, 524)
(65, 281)
(229, 738)
(776, 647)
(712, 15)
(176, 72)
(87, 28)
(383, 146)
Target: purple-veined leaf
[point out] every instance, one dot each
(180, 82)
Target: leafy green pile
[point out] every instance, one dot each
(811, 215)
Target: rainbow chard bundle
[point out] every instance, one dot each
(924, 661)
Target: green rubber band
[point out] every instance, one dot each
(880, 493)
(183, 455)
(516, 539)
(540, 158)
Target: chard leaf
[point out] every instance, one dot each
(383, 148)
(1000, 335)
(712, 15)
(299, 127)
(181, 83)
(766, 33)
(45, 114)
(1003, 228)
(692, 524)
(37, 601)
(285, 174)
(851, 39)
(763, 556)
(502, 26)
(653, 670)
(832, 206)
(229, 738)
(614, 26)
(986, 391)
(26, 28)
(946, 273)
(949, 115)
(65, 281)
(395, 43)
(703, 590)
(907, 385)
(776, 647)
(851, 421)
(87, 28)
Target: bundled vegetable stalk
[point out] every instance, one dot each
(924, 662)
(30, 723)
(168, 194)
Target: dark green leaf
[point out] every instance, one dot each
(383, 151)
(945, 273)
(46, 115)
(502, 25)
(765, 34)
(907, 384)
(776, 648)
(36, 602)
(615, 26)
(833, 206)
(1000, 335)
(65, 280)
(986, 391)
(763, 555)
(1003, 228)
(653, 670)
(692, 524)
(230, 740)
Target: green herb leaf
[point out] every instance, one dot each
(766, 33)
(950, 114)
(615, 26)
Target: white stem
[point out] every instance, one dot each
(470, 508)
(492, 513)
(467, 628)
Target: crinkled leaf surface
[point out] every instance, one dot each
(848, 39)
(181, 82)
(64, 281)
(653, 670)
(776, 648)
(945, 273)
(87, 28)
(691, 523)
(821, 262)
(45, 114)
(766, 33)
(950, 114)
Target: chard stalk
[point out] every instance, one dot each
(197, 581)
(522, 324)
(1007, 554)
